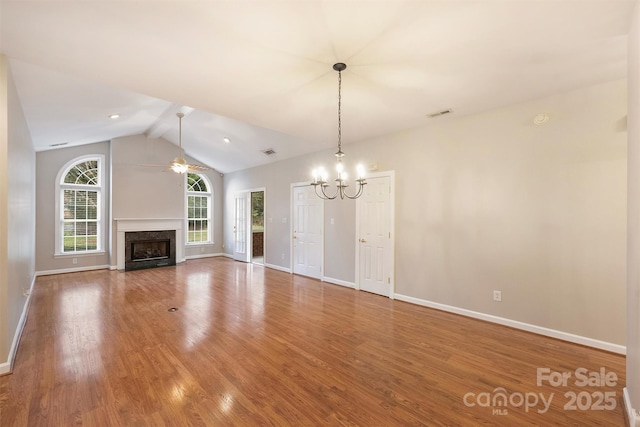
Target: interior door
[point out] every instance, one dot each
(375, 244)
(307, 232)
(242, 227)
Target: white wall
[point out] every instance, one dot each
(17, 216)
(633, 236)
(491, 201)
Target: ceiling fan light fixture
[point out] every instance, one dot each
(179, 164)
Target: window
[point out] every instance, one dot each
(79, 212)
(198, 209)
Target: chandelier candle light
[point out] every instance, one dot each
(320, 175)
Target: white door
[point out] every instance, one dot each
(307, 232)
(375, 244)
(242, 228)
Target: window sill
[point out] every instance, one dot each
(60, 255)
(200, 243)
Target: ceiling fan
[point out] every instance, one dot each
(179, 164)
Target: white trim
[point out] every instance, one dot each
(633, 418)
(339, 282)
(553, 333)
(7, 367)
(224, 254)
(204, 256)
(391, 174)
(277, 267)
(79, 254)
(73, 270)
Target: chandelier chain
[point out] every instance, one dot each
(339, 111)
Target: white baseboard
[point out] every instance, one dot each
(7, 367)
(277, 267)
(224, 254)
(339, 282)
(632, 415)
(565, 336)
(72, 270)
(204, 256)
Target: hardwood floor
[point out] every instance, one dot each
(254, 346)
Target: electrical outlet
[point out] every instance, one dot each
(75, 260)
(497, 295)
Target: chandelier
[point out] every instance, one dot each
(320, 175)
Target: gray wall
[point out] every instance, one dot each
(150, 192)
(633, 194)
(486, 202)
(17, 212)
(49, 164)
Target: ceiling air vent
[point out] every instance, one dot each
(269, 151)
(59, 144)
(440, 113)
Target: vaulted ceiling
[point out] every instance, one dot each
(260, 72)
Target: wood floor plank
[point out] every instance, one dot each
(254, 346)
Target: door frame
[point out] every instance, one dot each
(250, 237)
(292, 223)
(392, 218)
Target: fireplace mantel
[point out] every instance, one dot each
(147, 224)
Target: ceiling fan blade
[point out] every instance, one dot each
(198, 168)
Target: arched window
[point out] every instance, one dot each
(79, 213)
(198, 209)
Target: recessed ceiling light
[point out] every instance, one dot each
(114, 116)
(226, 139)
(541, 119)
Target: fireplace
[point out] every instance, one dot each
(149, 249)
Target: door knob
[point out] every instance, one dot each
(363, 241)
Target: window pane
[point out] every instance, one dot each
(92, 228)
(92, 243)
(81, 228)
(85, 173)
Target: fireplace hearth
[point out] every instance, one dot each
(149, 249)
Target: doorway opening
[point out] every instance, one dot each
(257, 227)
